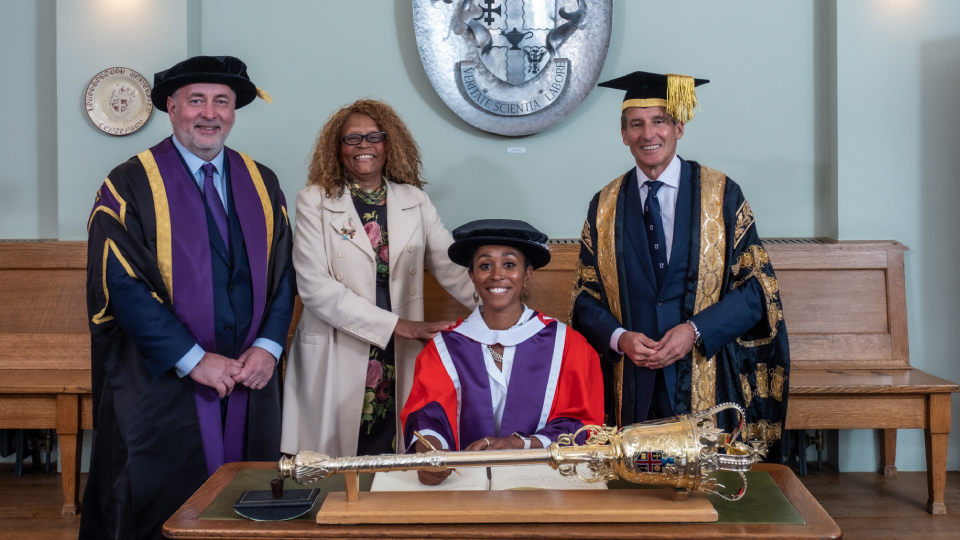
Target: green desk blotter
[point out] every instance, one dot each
(763, 503)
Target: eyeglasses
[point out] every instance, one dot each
(372, 138)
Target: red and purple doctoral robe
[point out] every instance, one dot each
(555, 386)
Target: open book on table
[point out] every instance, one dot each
(478, 479)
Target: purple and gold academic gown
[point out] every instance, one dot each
(158, 436)
(555, 385)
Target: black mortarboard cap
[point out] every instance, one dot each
(499, 232)
(226, 70)
(675, 92)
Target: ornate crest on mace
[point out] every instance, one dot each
(679, 452)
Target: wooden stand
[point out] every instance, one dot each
(513, 506)
(353, 487)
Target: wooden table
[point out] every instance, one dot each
(51, 399)
(186, 523)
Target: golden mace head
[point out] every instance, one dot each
(679, 452)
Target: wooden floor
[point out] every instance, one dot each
(30, 506)
(864, 505)
(868, 505)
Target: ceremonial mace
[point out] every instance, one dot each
(678, 452)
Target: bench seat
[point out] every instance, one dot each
(844, 303)
(45, 368)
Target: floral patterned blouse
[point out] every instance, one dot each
(378, 426)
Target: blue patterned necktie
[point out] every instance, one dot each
(653, 223)
(216, 205)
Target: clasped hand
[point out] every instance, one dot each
(253, 369)
(645, 352)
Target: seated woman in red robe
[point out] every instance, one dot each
(507, 377)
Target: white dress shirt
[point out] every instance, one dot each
(499, 380)
(667, 196)
(194, 165)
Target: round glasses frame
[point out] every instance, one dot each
(373, 137)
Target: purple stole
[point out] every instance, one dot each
(191, 275)
(527, 395)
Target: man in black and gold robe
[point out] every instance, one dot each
(673, 286)
(190, 291)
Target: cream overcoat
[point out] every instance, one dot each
(336, 279)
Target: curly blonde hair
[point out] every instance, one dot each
(402, 159)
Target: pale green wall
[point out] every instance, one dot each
(92, 35)
(756, 124)
(809, 101)
(28, 120)
(898, 67)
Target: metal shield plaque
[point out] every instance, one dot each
(513, 67)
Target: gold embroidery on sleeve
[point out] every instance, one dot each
(763, 389)
(713, 245)
(744, 221)
(106, 210)
(587, 273)
(747, 392)
(754, 259)
(109, 246)
(776, 383)
(582, 275)
(585, 239)
(764, 431)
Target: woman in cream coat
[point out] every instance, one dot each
(343, 388)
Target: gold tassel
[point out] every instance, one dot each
(681, 97)
(262, 94)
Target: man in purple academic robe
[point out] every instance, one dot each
(190, 293)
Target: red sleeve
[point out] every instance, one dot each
(431, 383)
(580, 386)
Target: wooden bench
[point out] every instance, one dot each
(846, 311)
(844, 303)
(845, 308)
(45, 363)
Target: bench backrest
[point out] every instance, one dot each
(843, 302)
(43, 311)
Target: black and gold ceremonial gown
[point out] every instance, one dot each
(717, 255)
(160, 280)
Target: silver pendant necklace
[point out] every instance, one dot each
(497, 357)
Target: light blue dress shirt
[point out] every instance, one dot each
(194, 164)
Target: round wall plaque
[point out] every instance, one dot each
(513, 67)
(118, 101)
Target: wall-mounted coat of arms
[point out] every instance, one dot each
(513, 67)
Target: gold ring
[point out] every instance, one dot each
(256, 383)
